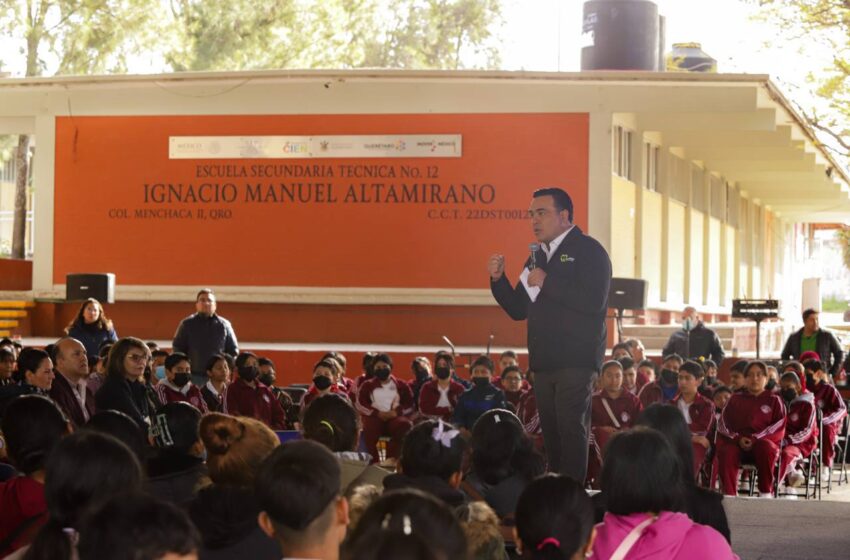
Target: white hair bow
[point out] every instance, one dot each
(444, 436)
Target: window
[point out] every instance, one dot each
(622, 152)
(651, 154)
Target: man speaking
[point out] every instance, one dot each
(563, 292)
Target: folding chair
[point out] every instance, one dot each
(841, 443)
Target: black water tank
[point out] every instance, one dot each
(620, 35)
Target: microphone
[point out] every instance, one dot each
(533, 247)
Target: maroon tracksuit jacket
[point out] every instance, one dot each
(254, 402)
(701, 412)
(754, 416)
(802, 428)
(364, 397)
(429, 396)
(625, 409)
(193, 396)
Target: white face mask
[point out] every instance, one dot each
(688, 324)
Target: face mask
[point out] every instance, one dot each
(321, 382)
(788, 395)
(383, 374)
(670, 376)
(181, 379)
(770, 384)
(443, 373)
(421, 373)
(481, 381)
(160, 372)
(810, 380)
(248, 373)
(267, 379)
(688, 324)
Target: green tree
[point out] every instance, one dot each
(827, 21)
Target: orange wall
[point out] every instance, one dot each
(15, 275)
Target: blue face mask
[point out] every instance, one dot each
(160, 372)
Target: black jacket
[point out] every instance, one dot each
(703, 342)
(125, 396)
(200, 336)
(827, 347)
(566, 324)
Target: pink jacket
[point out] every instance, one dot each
(672, 537)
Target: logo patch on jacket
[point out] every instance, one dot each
(266, 398)
(795, 417)
(764, 408)
(567, 258)
(625, 416)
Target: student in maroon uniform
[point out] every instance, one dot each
(646, 374)
(511, 384)
(177, 385)
(629, 375)
(527, 414)
(737, 380)
(697, 409)
(831, 405)
(612, 409)
(366, 374)
(751, 427)
(385, 403)
(801, 431)
(797, 368)
(323, 383)
(665, 388)
(218, 374)
(248, 397)
(438, 397)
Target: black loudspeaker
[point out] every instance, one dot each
(627, 293)
(79, 287)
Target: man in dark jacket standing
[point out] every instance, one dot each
(204, 334)
(564, 295)
(694, 340)
(813, 338)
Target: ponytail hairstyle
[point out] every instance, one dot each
(554, 518)
(236, 447)
(332, 421)
(501, 448)
(84, 470)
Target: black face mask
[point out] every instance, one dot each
(382, 373)
(669, 376)
(443, 373)
(182, 379)
(481, 381)
(788, 395)
(248, 373)
(267, 379)
(421, 373)
(771, 383)
(810, 380)
(321, 382)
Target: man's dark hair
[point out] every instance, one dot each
(509, 354)
(175, 427)
(721, 389)
(333, 422)
(622, 346)
(693, 368)
(173, 359)
(674, 356)
(265, 362)
(554, 509)
(560, 198)
(626, 362)
(483, 361)
(295, 486)
(423, 455)
(114, 531)
(740, 366)
(808, 313)
(202, 292)
(629, 457)
(32, 425)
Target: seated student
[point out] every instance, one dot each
(612, 409)
(218, 376)
(643, 519)
(431, 461)
(420, 367)
(346, 383)
(385, 404)
(268, 377)
(177, 385)
(801, 431)
(751, 428)
(667, 386)
(7, 366)
(366, 374)
(438, 397)
(248, 397)
(406, 524)
(507, 359)
(177, 468)
(480, 398)
(702, 505)
(158, 356)
(323, 383)
(720, 397)
(140, 527)
(483, 531)
(710, 381)
(772, 378)
(504, 461)
(511, 385)
(225, 512)
(529, 416)
(83, 470)
(697, 410)
(444, 358)
(621, 350)
(333, 422)
(831, 405)
(798, 369)
(629, 375)
(737, 379)
(297, 489)
(646, 374)
(32, 426)
(554, 519)
(98, 370)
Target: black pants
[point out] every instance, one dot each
(563, 402)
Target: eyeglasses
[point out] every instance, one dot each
(138, 358)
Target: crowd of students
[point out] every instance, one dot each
(121, 455)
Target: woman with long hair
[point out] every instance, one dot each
(92, 327)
